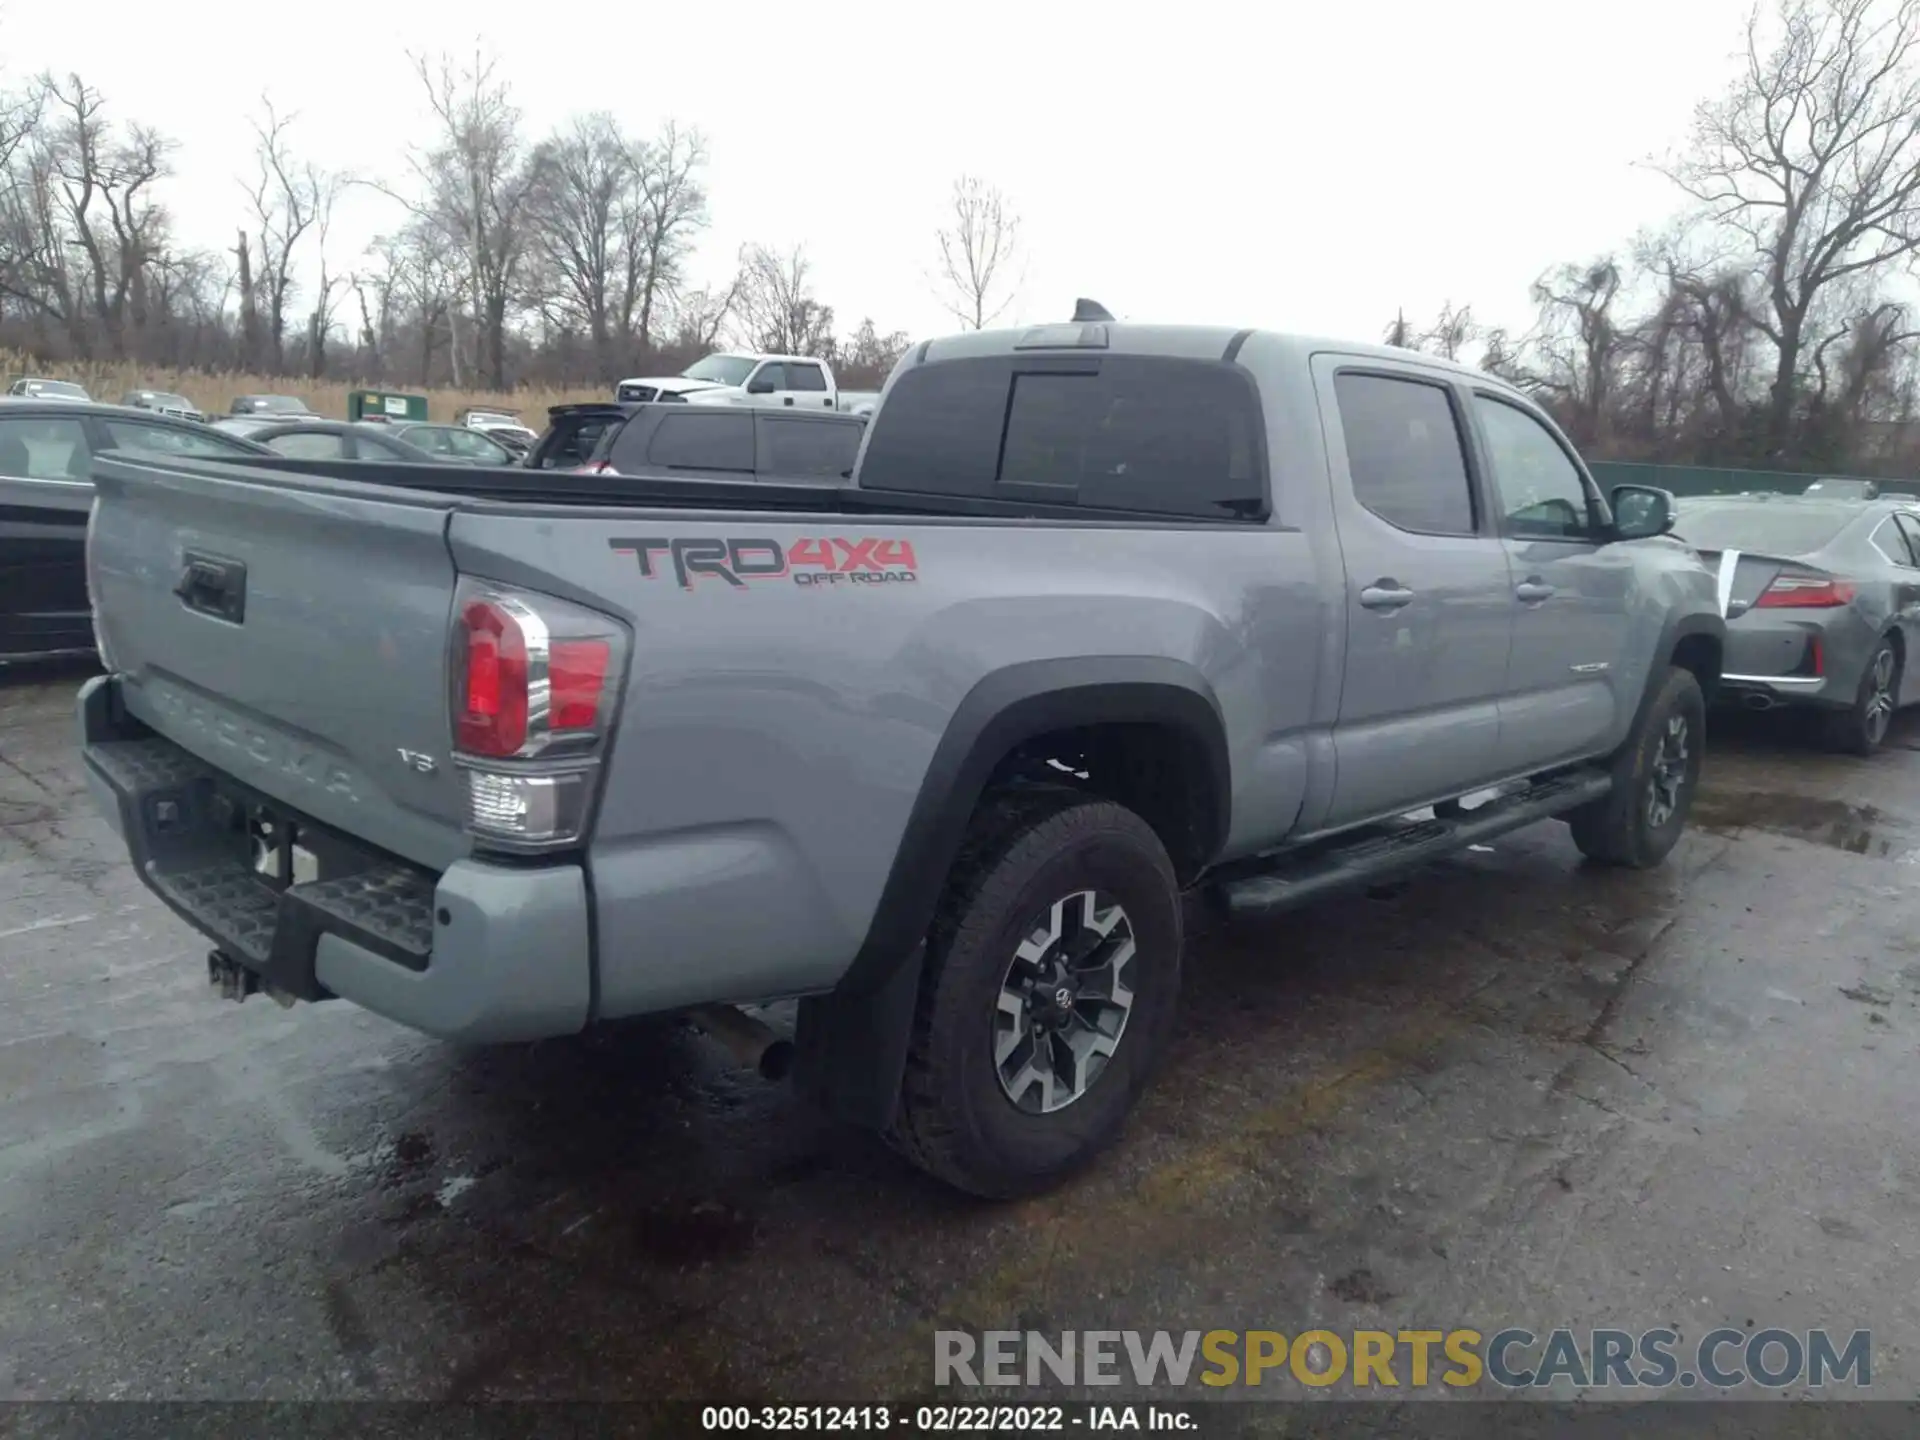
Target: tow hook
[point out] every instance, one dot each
(235, 981)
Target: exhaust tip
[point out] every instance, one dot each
(1759, 702)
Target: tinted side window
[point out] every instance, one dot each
(44, 449)
(309, 446)
(1125, 432)
(1542, 496)
(808, 377)
(1404, 453)
(166, 440)
(806, 449)
(696, 441)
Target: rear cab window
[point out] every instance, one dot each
(1155, 435)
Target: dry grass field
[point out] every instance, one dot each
(108, 381)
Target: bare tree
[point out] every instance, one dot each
(1451, 332)
(576, 184)
(775, 305)
(285, 194)
(702, 316)
(327, 285)
(477, 182)
(977, 253)
(1814, 160)
(660, 217)
(1578, 343)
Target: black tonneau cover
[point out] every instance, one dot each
(512, 484)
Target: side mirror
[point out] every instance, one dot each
(761, 384)
(1641, 511)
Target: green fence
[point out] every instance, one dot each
(1706, 480)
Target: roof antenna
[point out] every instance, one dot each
(1087, 312)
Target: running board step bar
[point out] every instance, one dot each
(1292, 878)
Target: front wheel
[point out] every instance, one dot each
(1862, 727)
(1655, 774)
(1052, 975)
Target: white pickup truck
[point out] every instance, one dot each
(800, 381)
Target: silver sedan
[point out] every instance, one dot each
(1822, 600)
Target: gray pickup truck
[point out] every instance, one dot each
(1111, 612)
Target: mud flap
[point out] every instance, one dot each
(850, 1047)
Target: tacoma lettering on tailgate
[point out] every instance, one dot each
(259, 744)
(866, 560)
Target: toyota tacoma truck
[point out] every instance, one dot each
(1111, 613)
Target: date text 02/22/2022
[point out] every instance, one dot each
(946, 1419)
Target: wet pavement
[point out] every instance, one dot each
(1514, 1091)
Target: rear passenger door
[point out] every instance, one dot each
(815, 451)
(806, 386)
(691, 443)
(1571, 687)
(1429, 604)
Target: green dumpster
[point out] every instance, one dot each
(385, 405)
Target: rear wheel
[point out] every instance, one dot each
(1654, 776)
(1862, 727)
(1052, 974)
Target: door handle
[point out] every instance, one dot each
(1532, 592)
(1385, 595)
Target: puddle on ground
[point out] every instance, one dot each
(1856, 829)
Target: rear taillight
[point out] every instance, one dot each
(1800, 590)
(534, 682)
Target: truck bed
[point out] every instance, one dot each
(512, 485)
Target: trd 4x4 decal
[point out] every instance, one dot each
(868, 560)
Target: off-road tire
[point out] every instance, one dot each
(1024, 852)
(1852, 730)
(1616, 829)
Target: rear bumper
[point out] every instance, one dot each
(1762, 692)
(479, 952)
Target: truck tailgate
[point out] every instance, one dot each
(292, 633)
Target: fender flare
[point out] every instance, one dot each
(851, 1044)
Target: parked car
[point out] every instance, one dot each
(697, 443)
(501, 424)
(1822, 599)
(46, 455)
(1110, 611)
(1830, 488)
(784, 381)
(573, 434)
(336, 440)
(165, 402)
(29, 388)
(268, 405)
(454, 444)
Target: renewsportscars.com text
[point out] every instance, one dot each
(1364, 1360)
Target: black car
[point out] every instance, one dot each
(338, 440)
(700, 442)
(46, 492)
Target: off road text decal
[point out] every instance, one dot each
(868, 560)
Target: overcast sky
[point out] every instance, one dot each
(1275, 163)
